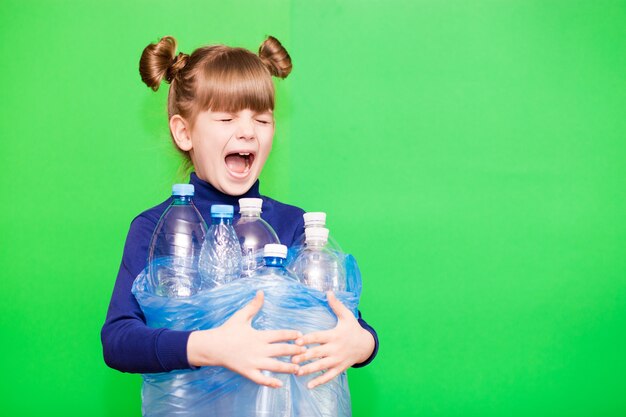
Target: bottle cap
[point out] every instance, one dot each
(314, 218)
(250, 204)
(316, 234)
(182, 189)
(222, 211)
(276, 250)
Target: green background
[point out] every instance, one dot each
(470, 154)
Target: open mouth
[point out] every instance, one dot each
(239, 163)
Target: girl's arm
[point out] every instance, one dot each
(128, 344)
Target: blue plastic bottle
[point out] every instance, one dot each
(220, 257)
(175, 246)
(254, 233)
(275, 402)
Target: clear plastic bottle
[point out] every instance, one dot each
(317, 266)
(220, 257)
(314, 219)
(275, 402)
(253, 233)
(175, 246)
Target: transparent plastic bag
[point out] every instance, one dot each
(217, 391)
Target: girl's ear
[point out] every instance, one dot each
(181, 132)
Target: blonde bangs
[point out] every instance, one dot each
(234, 81)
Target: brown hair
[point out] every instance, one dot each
(216, 77)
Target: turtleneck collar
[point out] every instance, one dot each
(205, 191)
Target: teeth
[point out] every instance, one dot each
(244, 153)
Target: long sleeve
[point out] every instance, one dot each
(129, 345)
(370, 329)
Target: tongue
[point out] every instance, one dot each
(236, 163)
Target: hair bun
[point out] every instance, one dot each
(275, 57)
(177, 64)
(159, 61)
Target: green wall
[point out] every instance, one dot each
(470, 154)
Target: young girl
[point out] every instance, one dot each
(220, 108)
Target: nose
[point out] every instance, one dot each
(245, 128)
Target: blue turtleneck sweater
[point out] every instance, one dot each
(129, 345)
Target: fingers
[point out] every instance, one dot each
(274, 365)
(319, 365)
(321, 337)
(262, 379)
(273, 336)
(311, 353)
(252, 308)
(325, 377)
(285, 349)
(339, 309)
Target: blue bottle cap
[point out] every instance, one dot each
(182, 189)
(222, 211)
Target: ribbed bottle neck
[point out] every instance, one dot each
(274, 261)
(250, 214)
(180, 200)
(315, 243)
(221, 220)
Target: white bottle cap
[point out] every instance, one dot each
(276, 250)
(315, 219)
(250, 204)
(316, 234)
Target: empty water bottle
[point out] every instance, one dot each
(175, 246)
(317, 266)
(320, 268)
(314, 219)
(275, 402)
(254, 233)
(220, 257)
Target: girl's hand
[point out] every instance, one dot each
(236, 345)
(339, 348)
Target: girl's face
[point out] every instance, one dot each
(229, 150)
